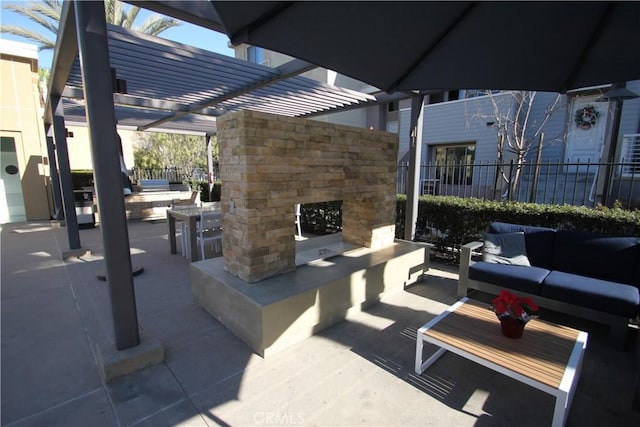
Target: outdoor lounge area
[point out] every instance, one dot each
(254, 337)
(358, 372)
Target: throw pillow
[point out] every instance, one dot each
(505, 248)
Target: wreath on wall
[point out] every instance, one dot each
(587, 117)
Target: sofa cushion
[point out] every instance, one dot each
(505, 248)
(515, 277)
(539, 241)
(601, 295)
(601, 257)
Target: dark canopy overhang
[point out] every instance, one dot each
(547, 46)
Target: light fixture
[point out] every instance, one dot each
(618, 92)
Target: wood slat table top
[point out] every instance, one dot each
(185, 213)
(541, 354)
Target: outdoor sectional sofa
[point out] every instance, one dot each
(583, 274)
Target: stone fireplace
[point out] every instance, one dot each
(269, 163)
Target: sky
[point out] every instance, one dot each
(185, 33)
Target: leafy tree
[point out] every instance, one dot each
(47, 14)
(43, 78)
(160, 150)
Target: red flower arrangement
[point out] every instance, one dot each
(511, 306)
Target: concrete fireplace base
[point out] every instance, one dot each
(277, 312)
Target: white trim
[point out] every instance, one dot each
(588, 88)
(24, 50)
(563, 394)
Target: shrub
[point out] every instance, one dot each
(203, 187)
(321, 218)
(81, 178)
(456, 221)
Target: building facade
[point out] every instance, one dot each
(460, 126)
(25, 184)
(24, 187)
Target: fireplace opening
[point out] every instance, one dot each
(321, 236)
(320, 219)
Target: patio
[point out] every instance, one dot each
(359, 372)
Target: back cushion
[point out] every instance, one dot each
(601, 257)
(539, 241)
(505, 248)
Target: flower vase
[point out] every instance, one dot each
(512, 328)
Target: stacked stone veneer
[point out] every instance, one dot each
(269, 163)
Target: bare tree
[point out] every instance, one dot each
(518, 129)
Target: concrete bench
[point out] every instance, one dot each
(154, 185)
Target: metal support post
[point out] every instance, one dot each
(617, 94)
(415, 157)
(96, 71)
(611, 152)
(66, 183)
(58, 213)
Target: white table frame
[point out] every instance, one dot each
(563, 394)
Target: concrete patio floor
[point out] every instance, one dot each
(359, 372)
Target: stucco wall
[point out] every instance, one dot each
(79, 145)
(21, 119)
(269, 163)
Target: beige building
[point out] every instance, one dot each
(24, 183)
(80, 148)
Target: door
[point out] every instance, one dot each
(11, 199)
(585, 136)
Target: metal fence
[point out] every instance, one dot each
(572, 183)
(175, 174)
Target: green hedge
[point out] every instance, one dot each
(321, 218)
(461, 220)
(203, 186)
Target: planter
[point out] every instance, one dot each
(512, 328)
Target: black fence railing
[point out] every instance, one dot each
(175, 174)
(572, 183)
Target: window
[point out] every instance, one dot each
(255, 54)
(630, 155)
(447, 95)
(454, 163)
(472, 93)
(436, 98)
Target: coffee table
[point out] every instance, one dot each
(547, 357)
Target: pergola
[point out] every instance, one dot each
(103, 75)
(421, 46)
(164, 84)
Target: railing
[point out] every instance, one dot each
(572, 183)
(174, 174)
(630, 150)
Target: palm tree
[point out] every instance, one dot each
(47, 14)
